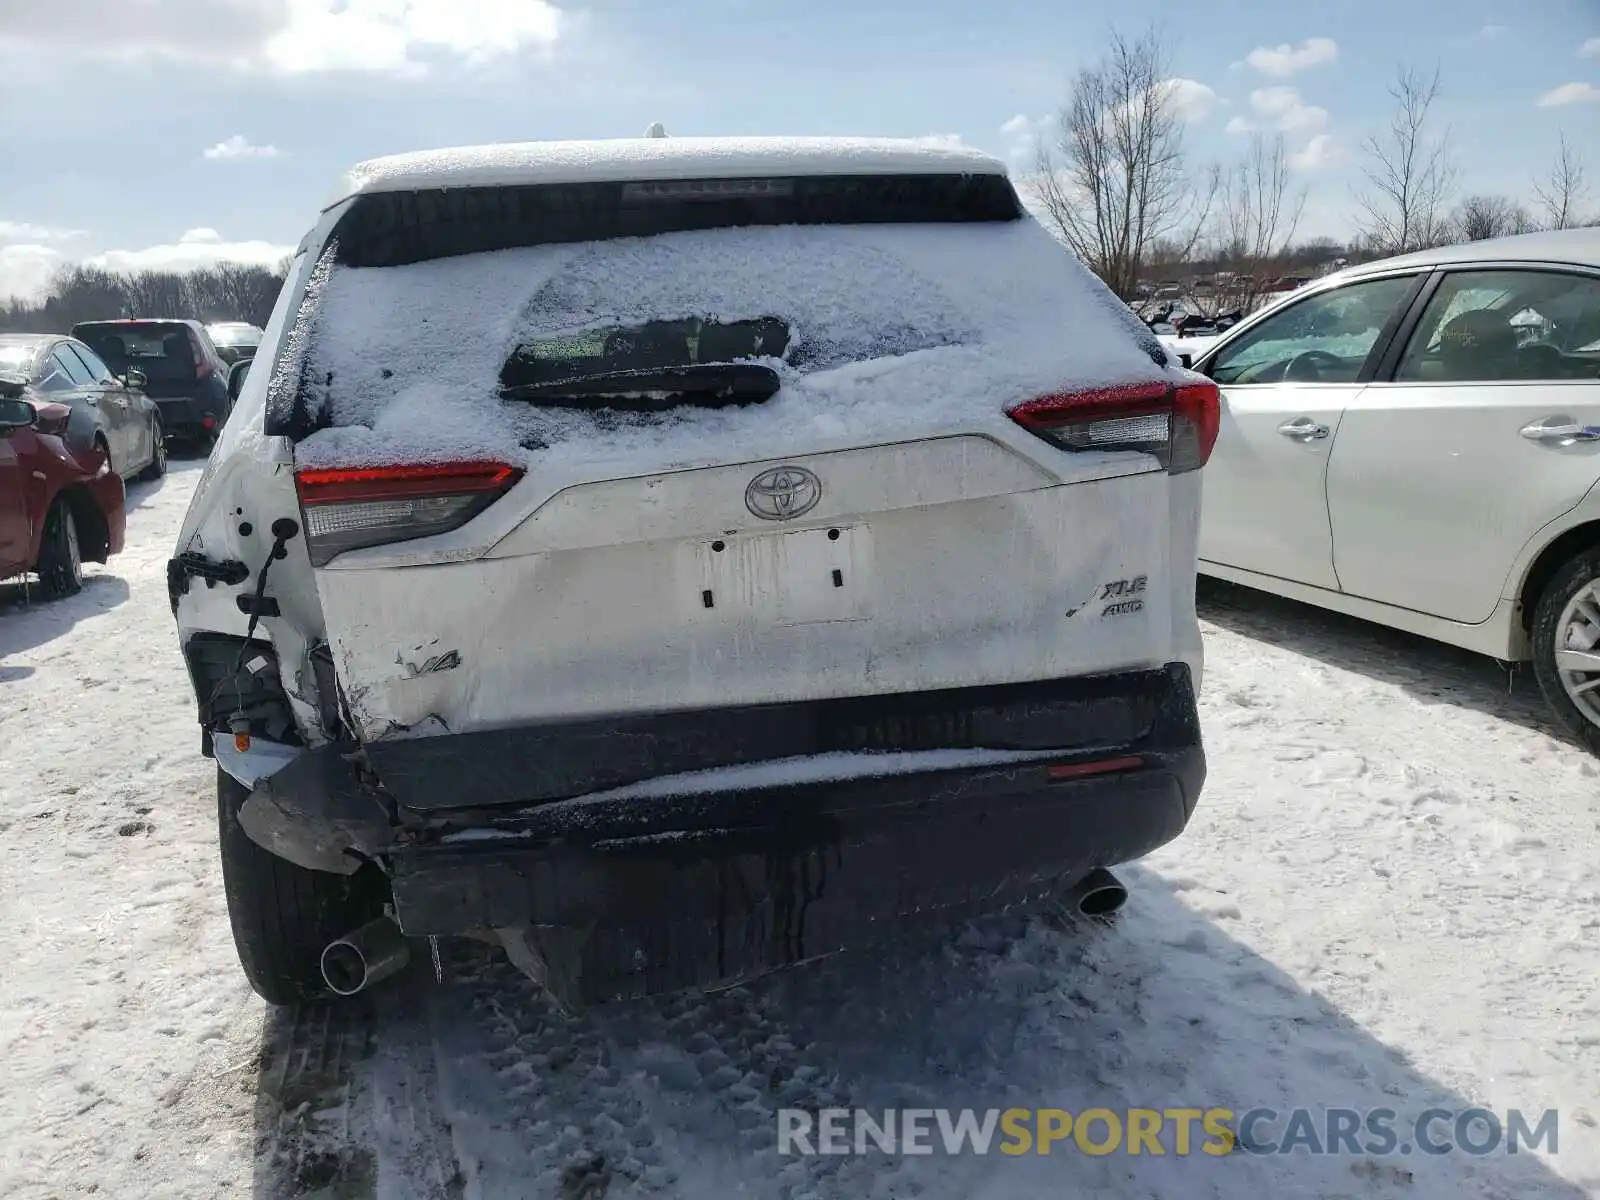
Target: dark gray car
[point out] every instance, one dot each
(107, 409)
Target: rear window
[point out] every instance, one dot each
(161, 351)
(15, 358)
(234, 335)
(385, 229)
(686, 320)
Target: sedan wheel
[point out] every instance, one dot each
(158, 453)
(1566, 645)
(60, 565)
(1578, 649)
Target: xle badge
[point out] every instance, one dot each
(1125, 596)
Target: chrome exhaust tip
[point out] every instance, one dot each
(1097, 894)
(364, 956)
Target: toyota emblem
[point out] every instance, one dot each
(783, 493)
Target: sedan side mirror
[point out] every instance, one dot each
(236, 377)
(17, 414)
(135, 378)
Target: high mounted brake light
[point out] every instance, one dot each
(1176, 424)
(347, 508)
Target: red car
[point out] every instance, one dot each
(56, 512)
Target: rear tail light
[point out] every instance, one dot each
(1176, 424)
(53, 418)
(347, 508)
(207, 421)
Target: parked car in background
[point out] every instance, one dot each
(1417, 442)
(106, 410)
(235, 340)
(869, 597)
(57, 511)
(184, 373)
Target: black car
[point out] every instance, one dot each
(111, 414)
(184, 373)
(236, 341)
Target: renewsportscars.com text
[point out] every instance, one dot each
(1162, 1131)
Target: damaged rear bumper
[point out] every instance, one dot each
(660, 891)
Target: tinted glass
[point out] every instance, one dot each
(1499, 326)
(16, 359)
(1322, 339)
(162, 350)
(390, 228)
(91, 362)
(73, 366)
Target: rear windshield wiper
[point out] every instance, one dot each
(655, 389)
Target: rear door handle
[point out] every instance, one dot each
(1561, 430)
(1304, 429)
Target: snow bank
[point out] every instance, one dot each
(896, 329)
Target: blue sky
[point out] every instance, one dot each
(111, 106)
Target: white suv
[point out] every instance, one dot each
(683, 557)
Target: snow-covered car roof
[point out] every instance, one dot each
(643, 159)
(1577, 246)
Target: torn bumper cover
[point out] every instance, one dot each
(671, 891)
(657, 892)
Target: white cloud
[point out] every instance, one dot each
(1320, 153)
(25, 270)
(1023, 136)
(1190, 99)
(287, 36)
(1590, 49)
(26, 231)
(1490, 31)
(398, 35)
(1281, 109)
(194, 249)
(1283, 61)
(238, 147)
(1570, 93)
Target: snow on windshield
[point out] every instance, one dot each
(895, 329)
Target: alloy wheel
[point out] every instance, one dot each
(1577, 651)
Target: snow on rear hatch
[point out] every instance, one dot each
(867, 331)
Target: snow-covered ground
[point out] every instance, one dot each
(1390, 898)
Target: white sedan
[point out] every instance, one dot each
(1417, 442)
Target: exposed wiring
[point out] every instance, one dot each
(283, 531)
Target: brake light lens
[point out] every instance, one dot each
(1176, 424)
(53, 417)
(347, 508)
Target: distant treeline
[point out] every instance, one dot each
(227, 292)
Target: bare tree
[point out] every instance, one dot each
(80, 293)
(1480, 217)
(1115, 180)
(1410, 173)
(1259, 215)
(1562, 192)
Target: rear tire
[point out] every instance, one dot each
(158, 454)
(60, 565)
(283, 916)
(1567, 617)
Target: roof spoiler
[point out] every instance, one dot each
(12, 386)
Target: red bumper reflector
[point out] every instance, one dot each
(207, 421)
(1104, 766)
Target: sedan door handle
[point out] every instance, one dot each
(1304, 429)
(1562, 430)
